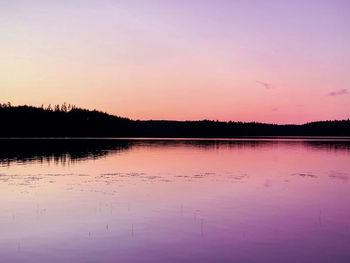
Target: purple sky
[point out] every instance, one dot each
(271, 61)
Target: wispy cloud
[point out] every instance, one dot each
(265, 84)
(338, 92)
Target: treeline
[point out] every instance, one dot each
(67, 120)
(55, 108)
(58, 121)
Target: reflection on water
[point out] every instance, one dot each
(243, 200)
(60, 151)
(68, 150)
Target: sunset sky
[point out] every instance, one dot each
(243, 60)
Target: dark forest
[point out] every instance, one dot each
(70, 121)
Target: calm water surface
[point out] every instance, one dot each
(175, 201)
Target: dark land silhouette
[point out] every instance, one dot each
(70, 121)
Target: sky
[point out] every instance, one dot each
(276, 61)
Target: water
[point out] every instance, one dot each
(250, 200)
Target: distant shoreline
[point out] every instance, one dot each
(68, 121)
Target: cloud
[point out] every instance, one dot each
(338, 92)
(265, 84)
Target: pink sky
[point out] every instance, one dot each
(269, 61)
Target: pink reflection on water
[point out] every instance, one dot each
(156, 201)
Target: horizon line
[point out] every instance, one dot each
(52, 108)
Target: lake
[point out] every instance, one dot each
(166, 200)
